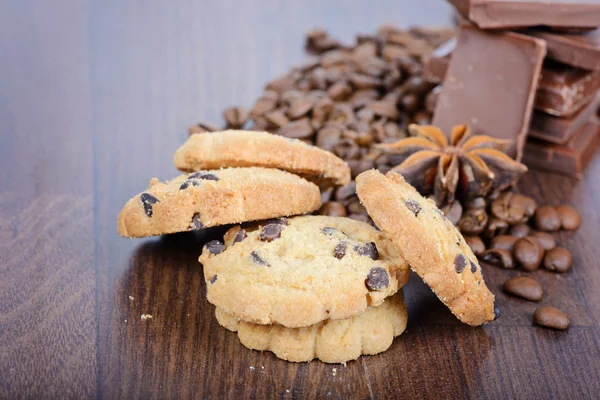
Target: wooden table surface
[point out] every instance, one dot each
(94, 99)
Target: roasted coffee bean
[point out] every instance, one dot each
(529, 205)
(545, 240)
(299, 107)
(202, 127)
(277, 118)
(359, 166)
(213, 279)
(524, 287)
(496, 226)
(558, 259)
(511, 208)
(147, 201)
(345, 194)
(328, 137)
(504, 242)
(240, 236)
(196, 223)
(520, 230)
(476, 244)
(409, 102)
(361, 81)
(473, 221)
(214, 247)
(550, 317)
(333, 209)
(569, 217)
(422, 118)
(339, 91)
(377, 279)
(528, 253)
(460, 262)
(262, 105)
(235, 117)
(340, 250)
(498, 257)
(258, 259)
(298, 129)
(347, 149)
(368, 249)
(453, 212)
(477, 203)
(360, 217)
(546, 219)
(354, 207)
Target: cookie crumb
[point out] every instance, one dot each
(287, 390)
(131, 298)
(252, 368)
(262, 367)
(334, 371)
(146, 316)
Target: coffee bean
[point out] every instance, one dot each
(354, 207)
(496, 226)
(214, 247)
(413, 206)
(258, 259)
(361, 81)
(473, 221)
(240, 236)
(498, 257)
(277, 118)
(529, 205)
(339, 91)
(297, 129)
(359, 166)
(235, 117)
(347, 193)
(477, 202)
(347, 149)
(196, 222)
(299, 107)
(546, 219)
(460, 262)
(505, 242)
(147, 201)
(360, 217)
(368, 249)
(511, 208)
(332, 209)
(550, 317)
(558, 259)
(384, 109)
(476, 244)
(262, 105)
(377, 279)
(569, 217)
(528, 253)
(545, 240)
(409, 102)
(524, 287)
(453, 212)
(520, 230)
(340, 250)
(422, 118)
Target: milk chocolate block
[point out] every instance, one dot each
(494, 14)
(436, 65)
(559, 130)
(491, 84)
(570, 158)
(577, 49)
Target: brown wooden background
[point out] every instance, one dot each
(94, 99)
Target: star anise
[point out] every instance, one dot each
(466, 167)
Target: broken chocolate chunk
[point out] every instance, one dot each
(270, 232)
(215, 247)
(496, 312)
(368, 249)
(460, 262)
(377, 279)
(196, 223)
(241, 235)
(258, 259)
(147, 201)
(207, 176)
(329, 231)
(213, 279)
(473, 267)
(340, 250)
(187, 182)
(413, 206)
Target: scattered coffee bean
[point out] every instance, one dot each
(473, 221)
(258, 259)
(511, 208)
(196, 222)
(558, 259)
(477, 202)
(528, 253)
(340, 250)
(214, 247)
(333, 209)
(546, 219)
(368, 249)
(569, 217)
(377, 279)
(550, 317)
(147, 201)
(235, 117)
(476, 244)
(499, 258)
(360, 217)
(505, 242)
(202, 127)
(240, 236)
(496, 227)
(347, 193)
(545, 240)
(460, 262)
(528, 204)
(270, 232)
(524, 287)
(520, 230)
(213, 279)
(413, 206)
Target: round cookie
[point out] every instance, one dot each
(211, 198)
(261, 149)
(331, 341)
(300, 271)
(435, 249)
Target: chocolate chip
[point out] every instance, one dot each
(377, 279)
(496, 312)
(276, 221)
(340, 250)
(214, 247)
(473, 266)
(241, 235)
(147, 201)
(413, 206)
(196, 223)
(368, 249)
(460, 262)
(270, 232)
(186, 184)
(551, 317)
(558, 259)
(213, 279)
(258, 259)
(329, 231)
(498, 257)
(203, 175)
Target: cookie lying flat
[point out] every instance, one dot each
(211, 198)
(261, 149)
(303, 270)
(331, 341)
(435, 249)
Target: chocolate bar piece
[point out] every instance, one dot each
(559, 130)
(577, 49)
(493, 14)
(491, 84)
(569, 159)
(562, 90)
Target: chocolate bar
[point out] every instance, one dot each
(493, 14)
(562, 90)
(559, 130)
(577, 49)
(570, 158)
(491, 84)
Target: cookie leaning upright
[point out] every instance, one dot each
(435, 249)
(211, 198)
(234, 148)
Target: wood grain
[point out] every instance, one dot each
(94, 99)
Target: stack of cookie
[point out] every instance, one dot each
(305, 286)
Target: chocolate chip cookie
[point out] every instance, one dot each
(261, 149)
(302, 270)
(210, 198)
(331, 341)
(435, 249)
